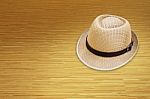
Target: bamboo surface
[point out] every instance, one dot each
(38, 58)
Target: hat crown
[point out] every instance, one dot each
(109, 33)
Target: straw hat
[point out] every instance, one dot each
(108, 44)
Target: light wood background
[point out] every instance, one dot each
(38, 58)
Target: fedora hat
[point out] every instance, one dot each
(108, 44)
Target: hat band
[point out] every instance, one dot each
(108, 54)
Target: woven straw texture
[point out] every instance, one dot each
(109, 33)
(107, 36)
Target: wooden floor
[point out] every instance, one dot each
(38, 58)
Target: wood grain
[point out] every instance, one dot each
(38, 58)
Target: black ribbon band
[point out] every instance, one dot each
(108, 54)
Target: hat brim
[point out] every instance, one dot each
(104, 63)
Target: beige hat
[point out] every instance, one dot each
(108, 44)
